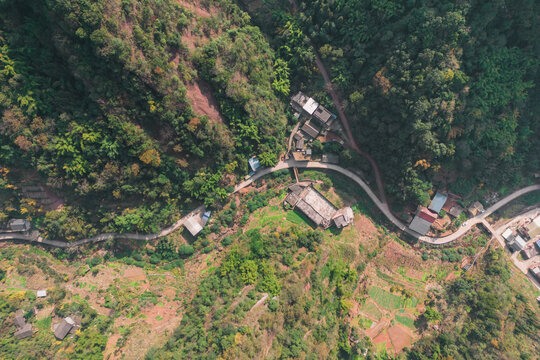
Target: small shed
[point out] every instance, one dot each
(535, 271)
(254, 163)
(19, 319)
(475, 208)
(438, 202)
(63, 328)
(41, 293)
(24, 331)
(455, 211)
(193, 225)
(19, 225)
(343, 217)
(529, 252)
(507, 234)
(300, 144)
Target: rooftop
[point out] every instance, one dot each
(427, 214)
(420, 225)
(506, 234)
(317, 208)
(193, 225)
(310, 106)
(438, 202)
(323, 115)
(63, 328)
(254, 163)
(24, 332)
(310, 130)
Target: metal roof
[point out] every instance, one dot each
(254, 163)
(427, 215)
(420, 225)
(63, 328)
(323, 115)
(193, 225)
(438, 202)
(520, 242)
(310, 130)
(506, 234)
(310, 106)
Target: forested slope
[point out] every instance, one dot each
(93, 97)
(434, 89)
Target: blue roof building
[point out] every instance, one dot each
(254, 163)
(438, 202)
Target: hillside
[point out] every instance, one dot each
(127, 116)
(102, 105)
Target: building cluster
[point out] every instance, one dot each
(316, 120)
(426, 216)
(67, 326)
(514, 241)
(317, 208)
(519, 241)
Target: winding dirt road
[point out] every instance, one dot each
(345, 122)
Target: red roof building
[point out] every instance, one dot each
(427, 214)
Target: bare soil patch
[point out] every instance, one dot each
(364, 225)
(399, 337)
(383, 338)
(203, 101)
(394, 254)
(197, 10)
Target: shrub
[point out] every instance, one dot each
(185, 250)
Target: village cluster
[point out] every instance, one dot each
(68, 325)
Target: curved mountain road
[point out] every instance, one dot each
(287, 164)
(98, 238)
(383, 206)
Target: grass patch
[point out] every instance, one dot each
(405, 320)
(263, 221)
(362, 322)
(159, 318)
(44, 324)
(387, 278)
(409, 303)
(371, 309)
(298, 219)
(384, 298)
(381, 347)
(391, 301)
